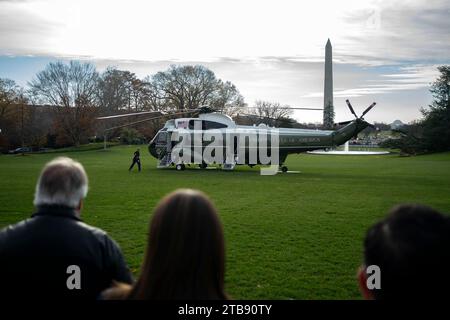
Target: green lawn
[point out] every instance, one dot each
(289, 236)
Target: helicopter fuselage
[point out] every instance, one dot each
(236, 137)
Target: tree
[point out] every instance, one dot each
(431, 134)
(272, 113)
(71, 89)
(227, 99)
(113, 89)
(8, 95)
(130, 136)
(190, 87)
(436, 125)
(122, 90)
(328, 117)
(14, 114)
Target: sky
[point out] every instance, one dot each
(383, 51)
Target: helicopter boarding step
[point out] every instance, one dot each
(165, 161)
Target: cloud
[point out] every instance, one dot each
(362, 32)
(384, 50)
(402, 78)
(403, 31)
(22, 31)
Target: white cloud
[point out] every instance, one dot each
(406, 78)
(365, 32)
(271, 50)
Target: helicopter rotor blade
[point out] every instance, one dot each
(136, 122)
(293, 108)
(150, 119)
(258, 116)
(368, 109)
(301, 108)
(343, 122)
(127, 115)
(148, 112)
(351, 108)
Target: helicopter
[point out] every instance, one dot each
(205, 121)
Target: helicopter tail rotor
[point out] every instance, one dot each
(368, 109)
(351, 108)
(356, 116)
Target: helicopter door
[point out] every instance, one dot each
(163, 144)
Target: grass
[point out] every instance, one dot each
(289, 236)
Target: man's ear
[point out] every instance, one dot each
(79, 207)
(362, 281)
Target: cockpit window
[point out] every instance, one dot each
(162, 137)
(213, 125)
(206, 124)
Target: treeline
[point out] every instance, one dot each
(60, 104)
(432, 133)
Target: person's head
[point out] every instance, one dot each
(62, 182)
(185, 257)
(411, 247)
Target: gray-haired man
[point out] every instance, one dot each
(53, 253)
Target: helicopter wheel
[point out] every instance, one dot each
(180, 167)
(203, 165)
(284, 169)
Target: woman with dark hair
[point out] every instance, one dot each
(185, 256)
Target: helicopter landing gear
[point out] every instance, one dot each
(180, 167)
(284, 169)
(203, 165)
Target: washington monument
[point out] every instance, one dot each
(328, 108)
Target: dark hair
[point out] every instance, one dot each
(185, 257)
(411, 246)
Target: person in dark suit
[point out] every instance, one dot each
(54, 254)
(136, 160)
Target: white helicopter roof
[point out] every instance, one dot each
(218, 117)
(215, 117)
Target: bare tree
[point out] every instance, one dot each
(71, 89)
(273, 113)
(8, 96)
(37, 125)
(190, 87)
(122, 90)
(227, 99)
(112, 91)
(13, 114)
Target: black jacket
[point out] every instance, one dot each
(35, 255)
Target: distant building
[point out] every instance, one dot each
(396, 125)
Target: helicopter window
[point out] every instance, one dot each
(207, 125)
(212, 125)
(192, 124)
(162, 137)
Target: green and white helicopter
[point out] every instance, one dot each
(206, 121)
